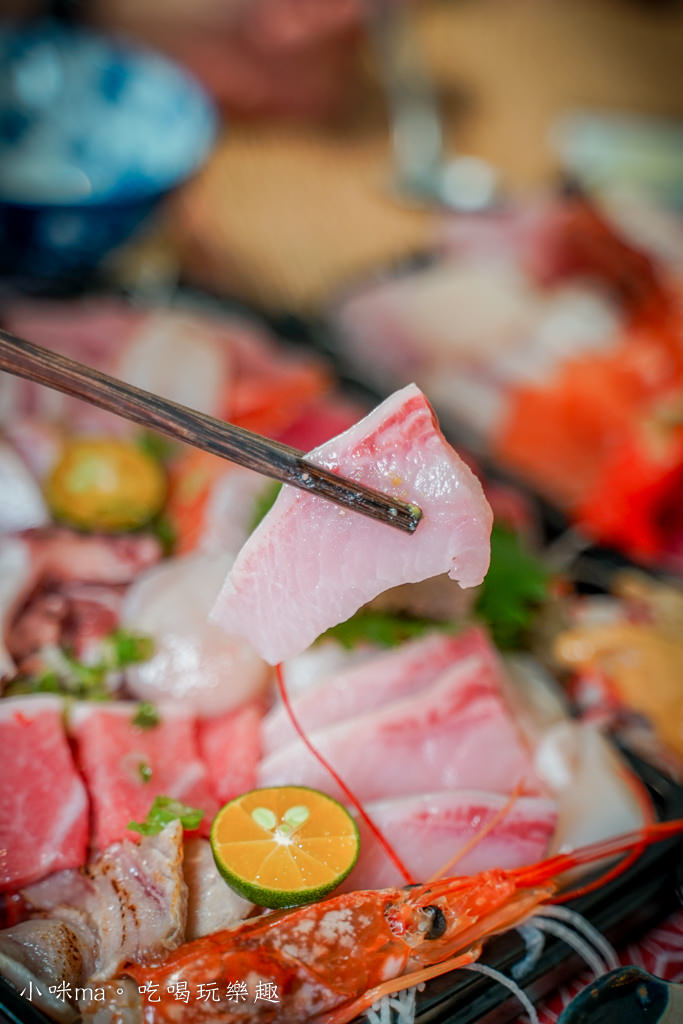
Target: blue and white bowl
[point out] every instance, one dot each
(93, 132)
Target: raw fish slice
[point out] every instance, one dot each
(195, 663)
(62, 556)
(212, 905)
(132, 901)
(321, 661)
(386, 677)
(426, 831)
(17, 576)
(179, 356)
(310, 564)
(43, 802)
(126, 766)
(455, 734)
(22, 505)
(230, 746)
(44, 953)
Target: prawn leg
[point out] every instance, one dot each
(387, 988)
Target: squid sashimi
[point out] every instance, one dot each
(43, 802)
(428, 830)
(364, 687)
(311, 564)
(195, 663)
(456, 733)
(126, 765)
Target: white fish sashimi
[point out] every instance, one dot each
(194, 662)
(590, 783)
(212, 905)
(376, 681)
(180, 357)
(456, 733)
(132, 900)
(22, 506)
(426, 831)
(310, 564)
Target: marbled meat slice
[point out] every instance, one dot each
(311, 564)
(455, 734)
(43, 802)
(126, 766)
(427, 830)
(230, 746)
(375, 681)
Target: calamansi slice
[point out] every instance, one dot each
(284, 845)
(105, 484)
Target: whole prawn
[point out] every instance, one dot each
(332, 960)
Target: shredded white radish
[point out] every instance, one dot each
(580, 924)
(503, 979)
(574, 941)
(403, 1003)
(534, 940)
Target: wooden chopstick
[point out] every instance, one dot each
(270, 458)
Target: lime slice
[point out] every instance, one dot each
(105, 484)
(284, 845)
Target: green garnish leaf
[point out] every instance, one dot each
(164, 810)
(66, 674)
(383, 629)
(146, 716)
(263, 503)
(145, 771)
(165, 532)
(127, 648)
(514, 588)
(156, 445)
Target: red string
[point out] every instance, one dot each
(388, 849)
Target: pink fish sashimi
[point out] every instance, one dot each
(372, 683)
(426, 831)
(230, 746)
(43, 802)
(455, 734)
(126, 766)
(311, 564)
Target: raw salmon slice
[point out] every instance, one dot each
(374, 682)
(426, 831)
(43, 802)
(126, 766)
(455, 734)
(311, 564)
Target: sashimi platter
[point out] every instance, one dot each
(265, 759)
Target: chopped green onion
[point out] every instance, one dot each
(164, 810)
(146, 716)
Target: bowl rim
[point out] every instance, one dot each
(205, 119)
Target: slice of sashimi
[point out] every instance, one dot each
(455, 734)
(126, 766)
(179, 356)
(386, 677)
(311, 564)
(230, 746)
(43, 802)
(427, 830)
(194, 663)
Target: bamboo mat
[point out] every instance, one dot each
(283, 219)
(286, 219)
